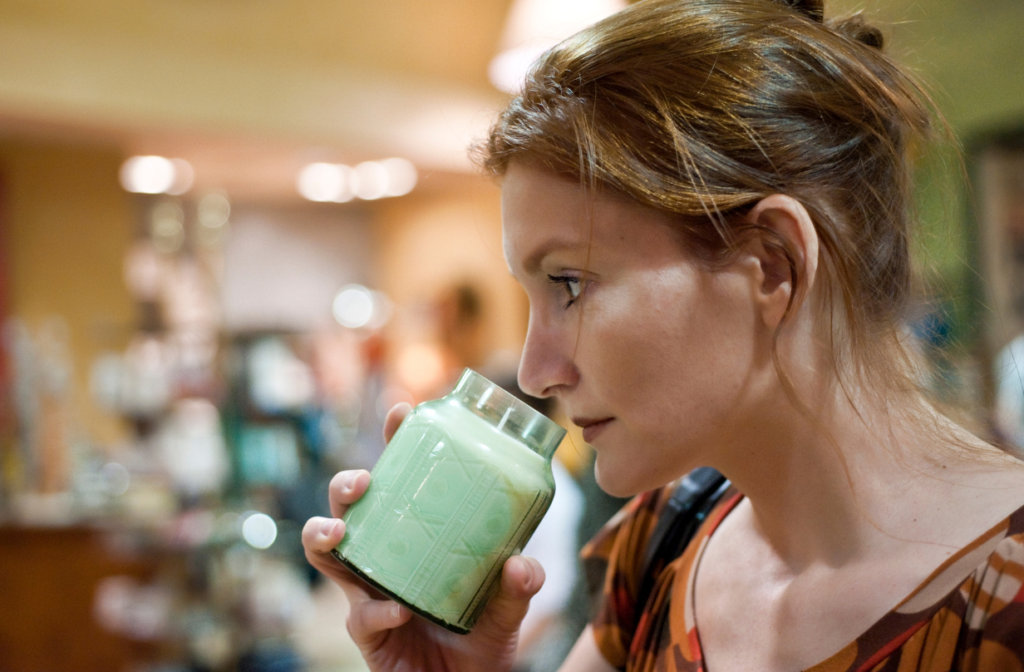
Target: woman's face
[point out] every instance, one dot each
(652, 354)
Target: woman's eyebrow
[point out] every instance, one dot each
(532, 262)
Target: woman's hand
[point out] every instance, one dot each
(387, 634)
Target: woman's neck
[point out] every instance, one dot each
(850, 482)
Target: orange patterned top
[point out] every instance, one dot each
(968, 615)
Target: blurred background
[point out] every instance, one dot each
(233, 233)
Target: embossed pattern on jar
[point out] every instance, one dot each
(461, 486)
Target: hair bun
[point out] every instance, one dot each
(856, 28)
(814, 9)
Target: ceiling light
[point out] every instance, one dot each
(534, 26)
(402, 176)
(325, 182)
(370, 181)
(156, 175)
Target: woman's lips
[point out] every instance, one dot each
(591, 427)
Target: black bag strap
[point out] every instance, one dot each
(685, 510)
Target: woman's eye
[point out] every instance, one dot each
(572, 286)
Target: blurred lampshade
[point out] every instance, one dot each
(534, 26)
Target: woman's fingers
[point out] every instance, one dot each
(320, 535)
(345, 488)
(521, 578)
(368, 619)
(394, 419)
(368, 616)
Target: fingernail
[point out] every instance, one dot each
(396, 611)
(350, 480)
(328, 527)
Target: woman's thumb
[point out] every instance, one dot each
(394, 418)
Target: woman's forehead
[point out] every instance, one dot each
(541, 213)
(544, 213)
(529, 194)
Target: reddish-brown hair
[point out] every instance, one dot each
(701, 108)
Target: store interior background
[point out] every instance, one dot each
(174, 371)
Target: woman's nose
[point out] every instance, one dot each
(546, 368)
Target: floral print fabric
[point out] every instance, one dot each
(967, 616)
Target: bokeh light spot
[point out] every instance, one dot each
(353, 306)
(259, 530)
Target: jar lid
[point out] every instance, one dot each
(507, 413)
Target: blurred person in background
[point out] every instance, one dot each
(708, 206)
(460, 311)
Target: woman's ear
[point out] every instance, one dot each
(786, 251)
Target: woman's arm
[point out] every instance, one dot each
(585, 656)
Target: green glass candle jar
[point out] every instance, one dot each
(461, 486)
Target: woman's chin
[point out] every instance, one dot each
(617, 482)
(629, 478)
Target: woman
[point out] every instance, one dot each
(707, 204)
